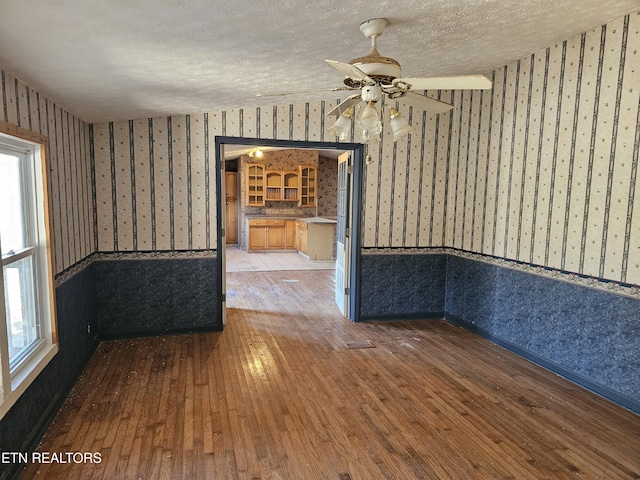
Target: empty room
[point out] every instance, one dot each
(247, 240)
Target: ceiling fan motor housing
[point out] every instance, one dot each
(375, 75)
(382, 69)
(371, 93)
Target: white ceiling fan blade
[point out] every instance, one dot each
(301, 92)
(424, 103)
(346, 103)
(456, 82)
(351, 71)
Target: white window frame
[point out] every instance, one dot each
(13, 383)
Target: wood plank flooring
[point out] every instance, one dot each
(279, 395)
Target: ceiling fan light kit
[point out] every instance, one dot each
(375, 78)
(342, 126)
(369, 119)
(369, 123)
(399, 126)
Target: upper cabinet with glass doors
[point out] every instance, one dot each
(308, 186)
(276, 185)
(255, 184)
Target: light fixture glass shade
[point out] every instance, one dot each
(399, 125)
(369, 119)
(342, 126)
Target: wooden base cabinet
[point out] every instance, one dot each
(266, 235)
(316, 240)
(290, 231)
(275, 234)
(257, 235)
(301, 237)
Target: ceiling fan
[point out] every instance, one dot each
(374, 76)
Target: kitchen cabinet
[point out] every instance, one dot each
(255, 184)
(308, 186)
(282, 185)
(274, 185)
(275, 234)
(316, 238)
(266, 234)
(290, 230)
(312, 237)
(301, 237)
(257, 235)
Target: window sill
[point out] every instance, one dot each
(26, 376)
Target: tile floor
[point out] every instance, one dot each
(240, 261)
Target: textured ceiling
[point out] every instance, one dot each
(125, 59)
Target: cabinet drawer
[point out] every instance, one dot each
(257, 222)
(273, 223)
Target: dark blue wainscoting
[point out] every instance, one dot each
(402, 286)
(152, 296)
(23, 426)
(116, 298)
(589, 336)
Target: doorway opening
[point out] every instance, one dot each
(346, 235)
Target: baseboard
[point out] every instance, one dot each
(41, 427)
(158, 333)
(385, 317)
(601, 391)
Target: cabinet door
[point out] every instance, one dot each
(297, 235)
(308, 185)
(302, 237)
(290, 234)
(255, 184)
(257, 237)
(275, 234)
(275, 237)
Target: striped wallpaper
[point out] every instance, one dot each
(70, 175)
(541, 170)
(155, 184)
(155, 178)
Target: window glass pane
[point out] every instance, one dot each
(22, 313)
(12, 222)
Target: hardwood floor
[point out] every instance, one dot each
(280, 395)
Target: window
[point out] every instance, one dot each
(27, 313)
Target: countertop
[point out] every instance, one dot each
(318, 220)
(294, 217)
(276, 216)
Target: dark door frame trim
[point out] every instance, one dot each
(356, 208)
